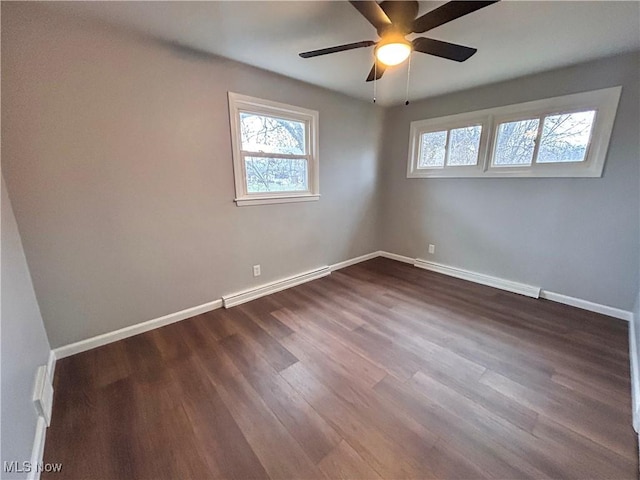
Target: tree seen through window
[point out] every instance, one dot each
(263, 135)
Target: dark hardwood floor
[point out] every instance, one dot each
(380, 370)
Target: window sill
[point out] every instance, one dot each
(248, 201)
(556, 171)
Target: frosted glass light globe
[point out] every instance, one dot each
(393, 53)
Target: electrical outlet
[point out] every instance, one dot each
(256, 270)
(432, 248)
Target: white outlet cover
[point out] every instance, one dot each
(256, 270)
(432, 248)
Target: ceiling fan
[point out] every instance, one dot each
(394, 20)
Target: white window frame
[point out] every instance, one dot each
(243, 103)
(449, 123)
(604, 102)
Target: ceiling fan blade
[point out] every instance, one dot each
(372, 12)
(400, 12)
(445, 13)
(338, 48)
(442, 49)
(376, 71)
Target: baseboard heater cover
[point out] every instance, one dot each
(501, 283)
(273, 287)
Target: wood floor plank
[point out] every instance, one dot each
(260, 313)
(311, 341)
(597, 422)
(165, 447)
(489, 399)
(380, 370)
(218, 437)
(344, 463)
(277, 355)
(307, 295)
(486, 348)
(494, 426)
(465, 433)
(593, 388)
(220, 323)
(385, 455)
(357, 395)
(304, 424)
(375, 348)
(603, 462)
(266, 434)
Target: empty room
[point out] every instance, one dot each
(320, 239)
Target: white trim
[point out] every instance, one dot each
(451, 122)
(604, 102)
(42, 395)
(635, 376)
(51, 365)
(241, 202)
(353, 261)
(257, 292)
(243, 103)
(109, 337)
(587, 305)
(501, 283)
(273, 287)
(396, 257)
(37, 452)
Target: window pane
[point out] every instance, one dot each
(261, 133)
(276, 174)
(432, 148)
(464, 145)
(515, 143)
(565, 137)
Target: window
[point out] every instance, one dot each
(464, 146)
(565, 137)
(449, 147)
(275, 151)
(555, 137)
(456, 147)
(515, 143)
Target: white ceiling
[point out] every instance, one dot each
(513, 38)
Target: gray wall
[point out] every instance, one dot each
(117, 153)
(576, 236)
(24, 345)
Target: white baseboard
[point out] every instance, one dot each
(635, 376)
(226, 301)
(353, 261)
(105, 338)
(273, 287)
(51, 365)
(257, 292)
(37, 453)
(501, 283)
(260, 291)
(396, 257)
(586, 305)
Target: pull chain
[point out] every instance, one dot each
(375, 77)
(408, 75)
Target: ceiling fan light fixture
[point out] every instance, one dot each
(393, 52)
